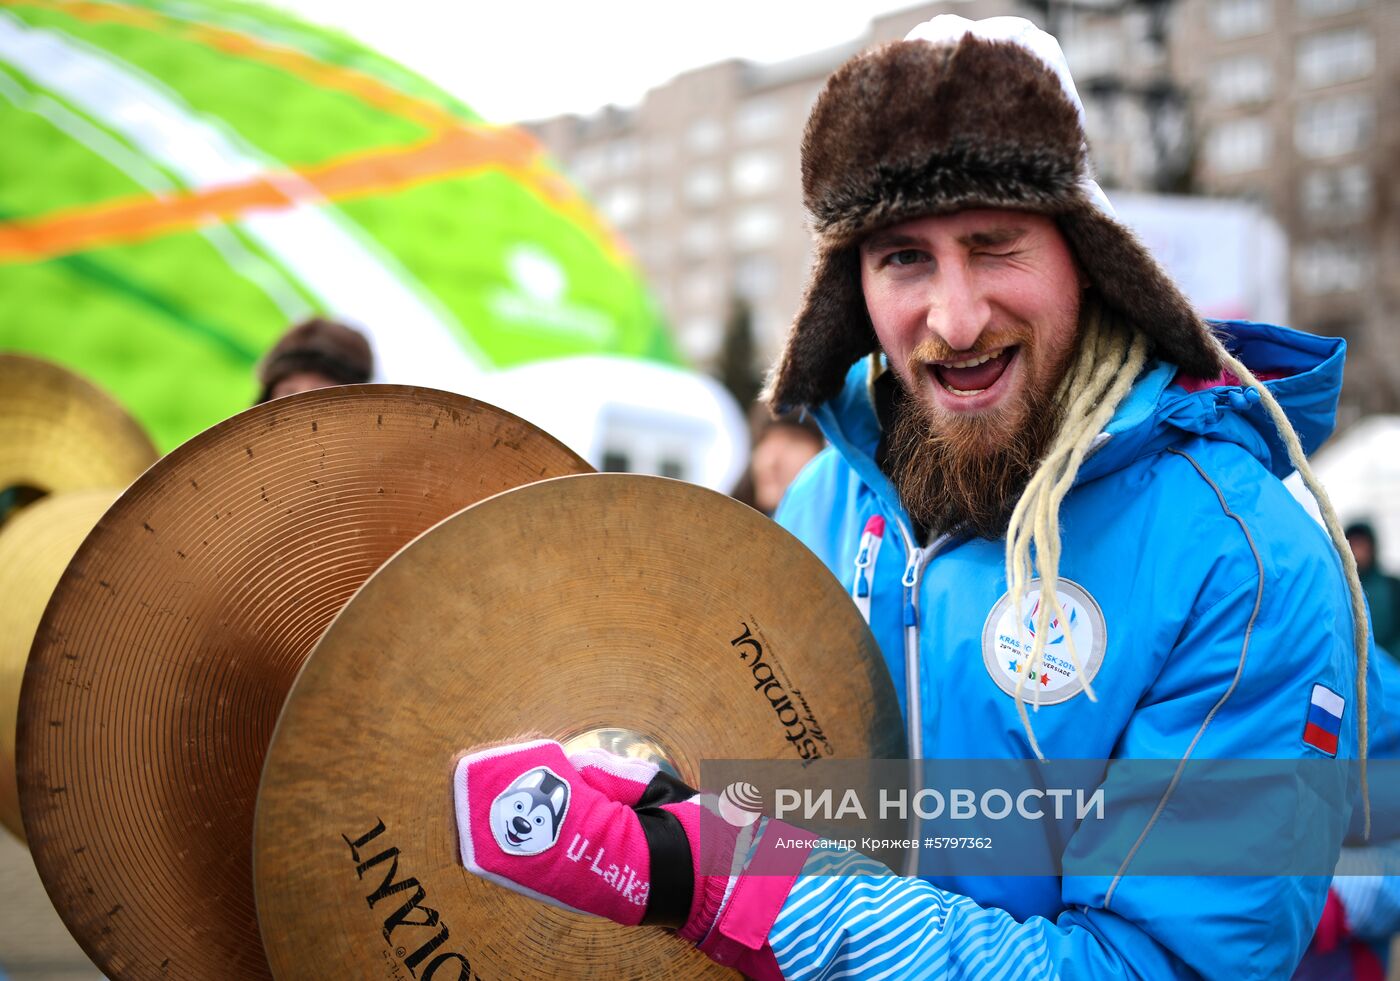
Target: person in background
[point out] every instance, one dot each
(1362, 915)
(318, 353)
(782, 447)
(1382, 591)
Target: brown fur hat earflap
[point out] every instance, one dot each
(836, 334)
(916, 128)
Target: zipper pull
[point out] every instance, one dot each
(910, 580)
(870, 541)
(911, 571)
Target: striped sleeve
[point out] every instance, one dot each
(850, 917)
(1371, 901)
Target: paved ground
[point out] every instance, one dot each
(34, 944)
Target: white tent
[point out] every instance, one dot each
(1361, 471)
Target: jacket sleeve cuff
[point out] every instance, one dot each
(747, 906)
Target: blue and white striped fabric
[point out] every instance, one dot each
(853, 918)
(1372, 902)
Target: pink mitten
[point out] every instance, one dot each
(528, 821)
(615, 837)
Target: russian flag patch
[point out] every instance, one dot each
(1324, 719)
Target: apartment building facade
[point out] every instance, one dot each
(1295, 105)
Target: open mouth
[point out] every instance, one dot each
(974, 375)
(513, 839)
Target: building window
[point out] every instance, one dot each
(1145, 46)
(616, 461)
(758, 119)
(1243, 80)
(703, 186)
(1239, 145)
(1335, 56)
(1094, 52)
(1240, 18)
(754, 172)
(589, 165)
(1331, 267)
(704, 136)
(699, 289)
(700, 338)
(623, 157)
(1325, 8)
(755, 227)
(1334, 127)
(1339, 195)
(768, 329)
(622, 205)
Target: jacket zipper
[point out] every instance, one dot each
(913, 572)
(918, 560)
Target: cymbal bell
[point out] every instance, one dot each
(60, 432)
(35, 546)
(173, 636)
(603, 607)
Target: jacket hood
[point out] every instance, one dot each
(1302, 371)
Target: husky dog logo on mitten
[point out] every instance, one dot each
(526, 817)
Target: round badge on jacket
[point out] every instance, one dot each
(1006, 644)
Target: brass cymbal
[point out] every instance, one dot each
(606, 601)
(35, 546)
(60, 432)
(162, 661)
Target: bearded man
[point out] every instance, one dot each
(1027, 420)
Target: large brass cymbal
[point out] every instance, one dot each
(60, 432)
(162, 661)
(573, 605)
(35, 546)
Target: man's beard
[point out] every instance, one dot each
(970, 472)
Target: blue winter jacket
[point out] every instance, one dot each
(1224, 606)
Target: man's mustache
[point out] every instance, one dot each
(937, 349)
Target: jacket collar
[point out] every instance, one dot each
(1307, 378)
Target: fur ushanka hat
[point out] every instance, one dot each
(961, 114)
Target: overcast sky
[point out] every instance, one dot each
(525, 59)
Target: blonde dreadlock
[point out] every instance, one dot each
(1339, 542)
(1108, 362)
